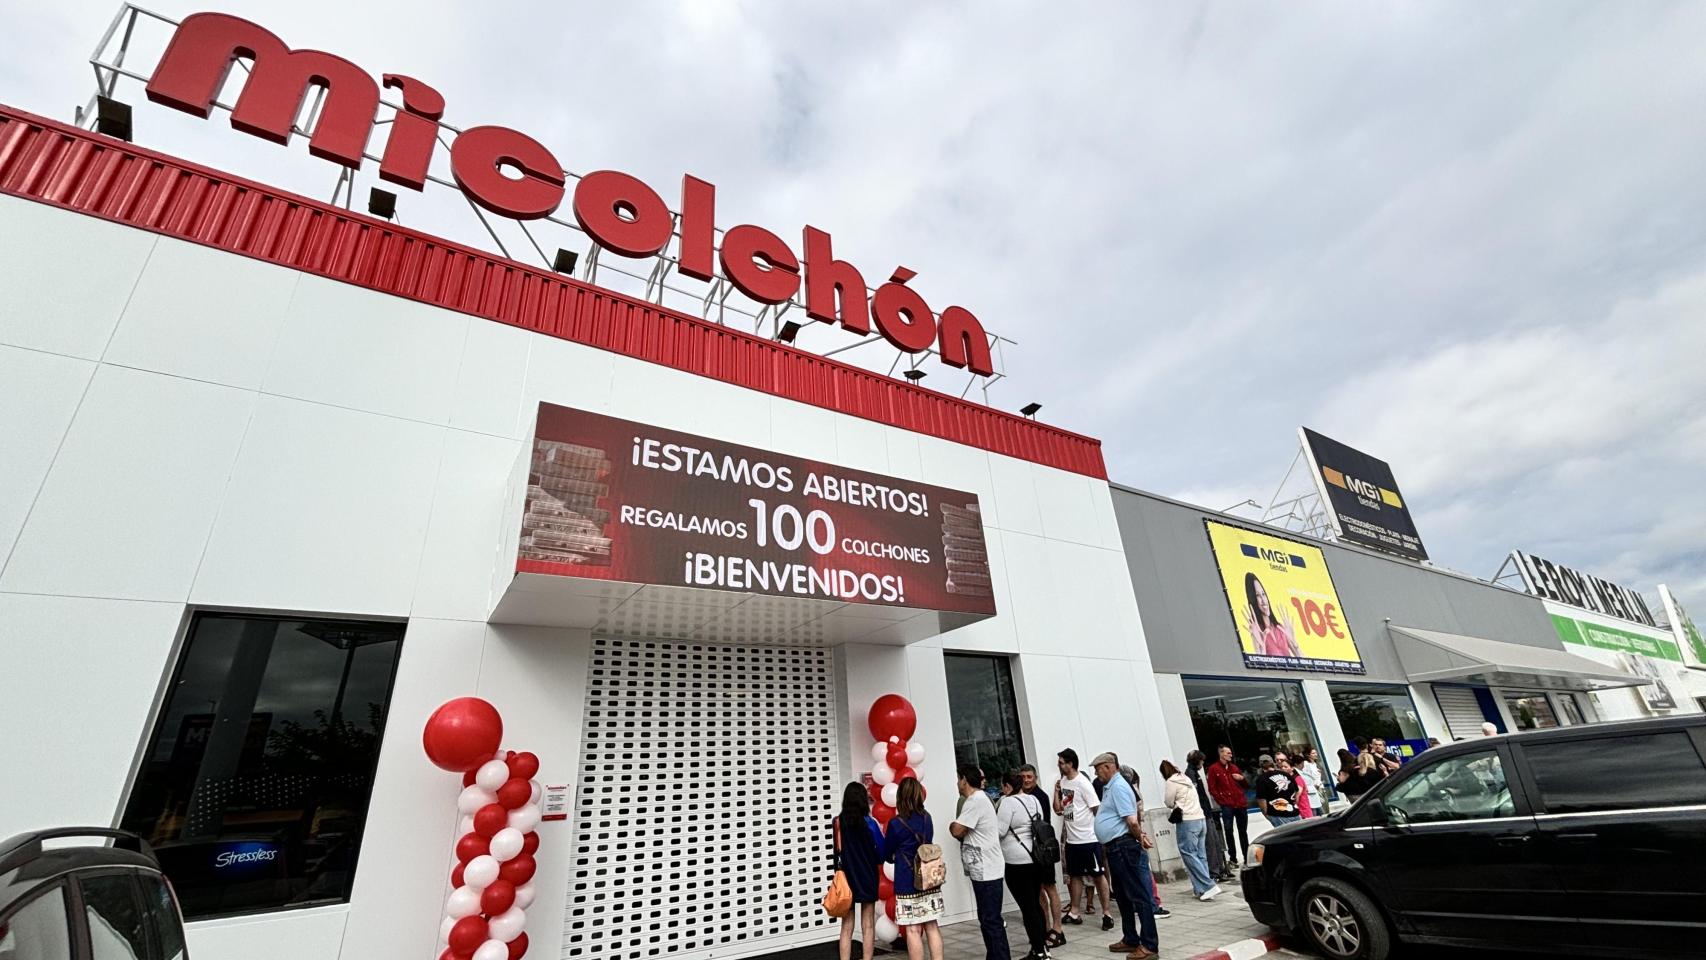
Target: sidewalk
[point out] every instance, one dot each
(1195, 927)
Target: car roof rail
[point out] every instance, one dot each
(25, 847)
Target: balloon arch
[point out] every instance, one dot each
(492, 882)
(896, 756)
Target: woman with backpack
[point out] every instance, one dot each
(858, 855)
(919, 871)
(1020, 818)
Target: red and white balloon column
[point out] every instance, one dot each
(896, 756)
(492, 882)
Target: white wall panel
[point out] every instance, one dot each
(1113, 719)
(64, 277)
(1176, 717)
(355, 348)
(463, 536)
(39, 393)
(960, 467)
(1015, 485)
(129, 501)
(905, 462)
(403, 873)
(862, 444)
(1067, 511)
(490, 380)
(326, 512)
(288, 935)
(204, 314)
(568, 374)
(803, 431)
(1054, 721)
(78, 684)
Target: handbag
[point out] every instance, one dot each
(1177, 815)
(929, 870)
(838, 899)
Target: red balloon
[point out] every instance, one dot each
(509, 755)
(489, 819)
(450, 954)
(472, 845)
(456, 876)
(885, 886)
(497, 898)
(875, 789)
(468, 778)
(882, 812)
(467, 934)
(903, 772)
(518, 946)
(514, 793)
(897, 755)
(517, 870)
(529, 843)
(888, 907)
(891, 716)
(462, 734)
(523, 766)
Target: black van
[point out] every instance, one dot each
(1583, 840)
(86, 902)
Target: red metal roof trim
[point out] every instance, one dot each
(54, 163)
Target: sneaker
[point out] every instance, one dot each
(1162, 913)
(1107, 922)
(1213, 892)
(1070, 917)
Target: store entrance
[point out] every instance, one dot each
(707, 784)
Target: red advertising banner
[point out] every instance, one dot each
(616, 500)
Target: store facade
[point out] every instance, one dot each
(1390, 649)
(282, 478)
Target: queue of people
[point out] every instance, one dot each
(1009, 842)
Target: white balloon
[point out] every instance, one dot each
(480, 871)
(914, 753)
(891, 793)
(894, 739)
(474, 797)
(886, 930)
(492, 950)
(464, 826)
(492, 775)
(506, 843)
(879, 752)
(883, 774)
(888, 870)
(524, 817)
(444, 929)
(525, 893)
(464, 901)
(507, 926)
(535, 791)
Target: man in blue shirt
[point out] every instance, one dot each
(1118, 828)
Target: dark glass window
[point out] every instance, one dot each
(117, 930)
(1618, 773)
(1470, 787)
(1253, 717)
(985, 714)
(38, 929)
(1370, 712)
(255, 785)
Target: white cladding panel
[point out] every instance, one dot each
(293, 444)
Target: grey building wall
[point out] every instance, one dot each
(1190, 630)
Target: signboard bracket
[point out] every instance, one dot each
(1296, 503)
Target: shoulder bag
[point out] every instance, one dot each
(838, 899)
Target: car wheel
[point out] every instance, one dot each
(1341, 921)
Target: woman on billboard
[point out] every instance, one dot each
(1271, 634)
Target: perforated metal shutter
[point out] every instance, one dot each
(708, 780)
(1462, 711)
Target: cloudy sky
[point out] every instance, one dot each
(1468, 238)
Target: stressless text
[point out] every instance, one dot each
(619, 212)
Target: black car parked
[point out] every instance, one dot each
(1581, 840)
(85, 902)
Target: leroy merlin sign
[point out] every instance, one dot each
(1600, 637)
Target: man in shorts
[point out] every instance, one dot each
(1075, 800)
(1051, 884)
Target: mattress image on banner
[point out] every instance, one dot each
(616, 500)
(1284, 607)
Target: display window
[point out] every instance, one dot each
(1253, 717)
(985, 714)
(254, 787)
(1369, 711)
(1531, 711)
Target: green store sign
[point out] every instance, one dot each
(1610, 638)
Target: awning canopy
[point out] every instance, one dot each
(1432, 655)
